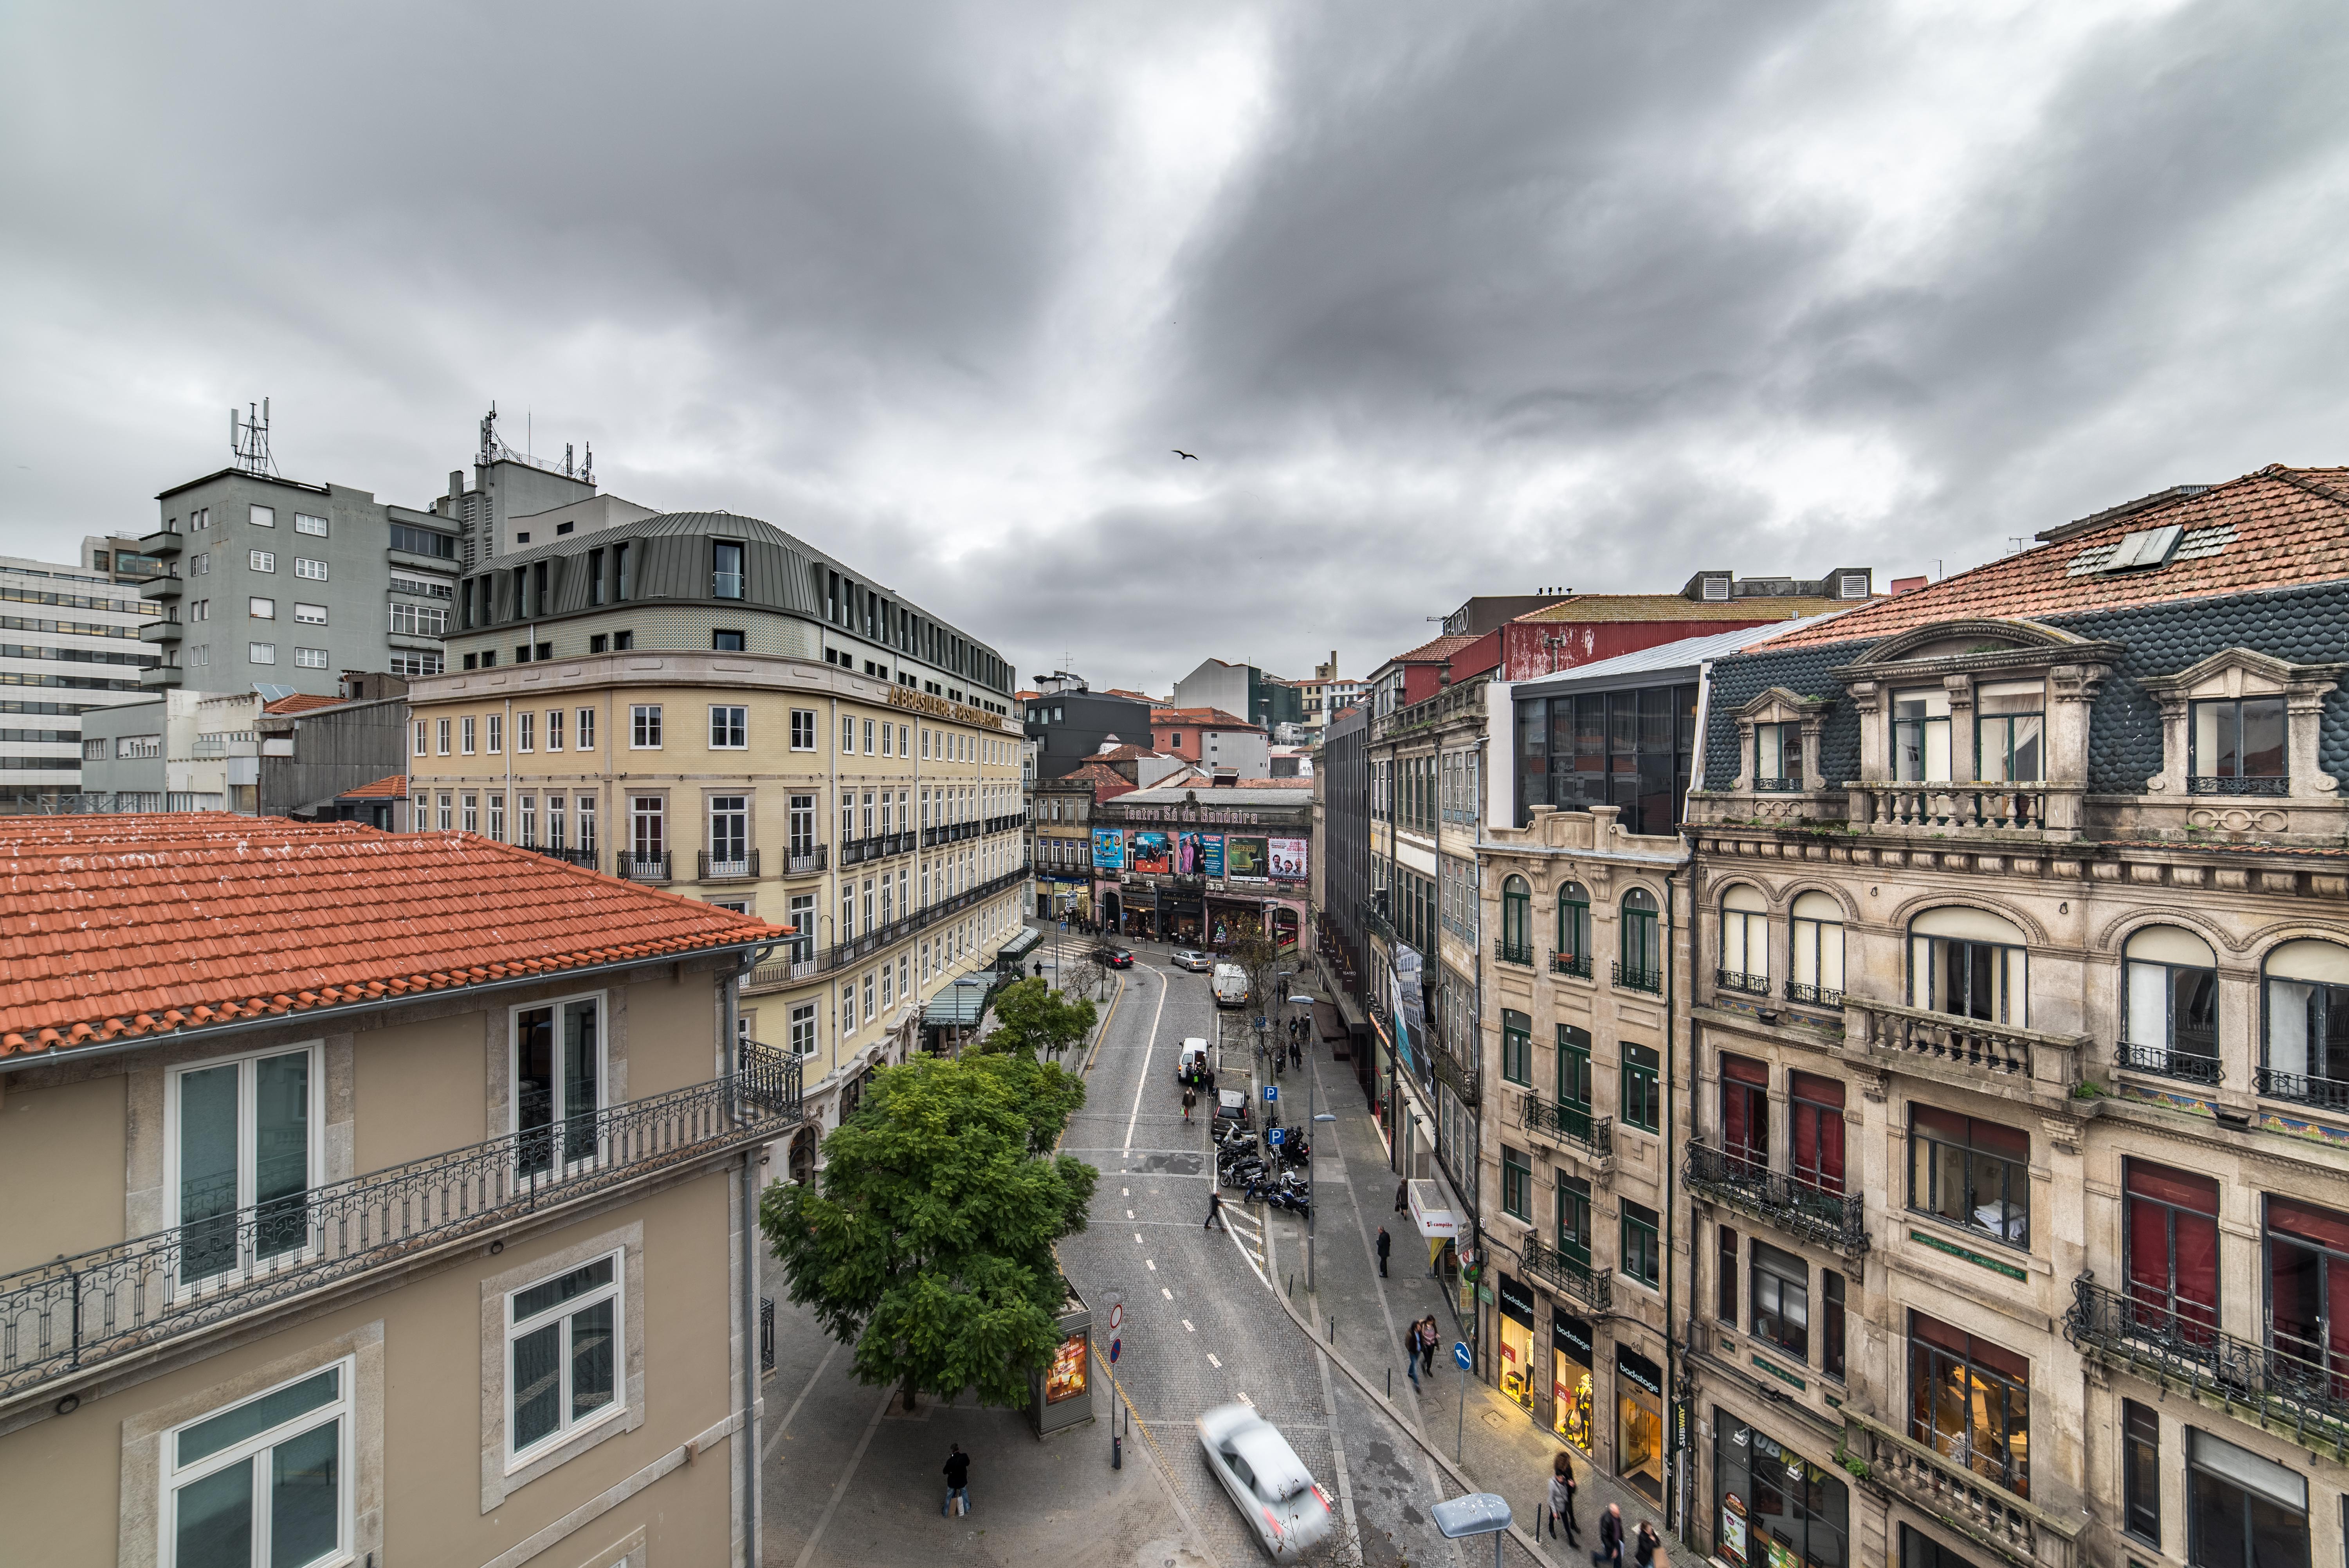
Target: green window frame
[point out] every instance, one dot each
(1642, 1089)
(1574, 1219)
(1516, 1185)
(1643, 1244)
(1574, 1067)
(1517, 921)
(1642, 964)
(1574, 923)
(1516, 1048)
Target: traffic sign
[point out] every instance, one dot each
(1271, 1093)
(1116, 1316)
(1459, 1352)
(1114, 1346)
(1275, 1135)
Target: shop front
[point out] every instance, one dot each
(1772, 1507)
(1639, 1423)
(1230, 919)
(1516, 1304)
(1569, 1379)
(1062, 898)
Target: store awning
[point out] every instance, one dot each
(956, 1007)
(1428, 1212)
(1019, 946)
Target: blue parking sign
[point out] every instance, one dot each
(1271, 1093)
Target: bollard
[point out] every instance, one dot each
(1333, 1330)
(1390, 1383)
(1116, 1451)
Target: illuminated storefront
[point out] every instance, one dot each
(1516, 1320)
(1639, 1423)
(1569, 1374)
(1773, 1507)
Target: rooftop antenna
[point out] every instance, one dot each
(566, 461)
(587, 469)
(248, 437)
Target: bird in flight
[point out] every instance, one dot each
(1181, 453)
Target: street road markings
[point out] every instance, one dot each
(1212, 1362)
(1246, 1400)
(1153, 1263)
(1129, 1214)
(1164, 1292)
(1126, 1191)
(1137, 1238)
(1187, 1328)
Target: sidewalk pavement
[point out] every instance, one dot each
(1500, 1444)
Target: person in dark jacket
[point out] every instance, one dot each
(1643, 1551)
(1403, 1196)
(1410, 1352)
(1610, 1539)
(1384, 1246)
(1215, 1210)
(957, 1477)
(1561, 1498)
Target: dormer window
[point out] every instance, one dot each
(1920, 735)
(2237, 747)
(1716, 588)
(1852, 585)
(2010, 731)
(1777, 756)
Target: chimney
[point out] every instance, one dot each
(1907, 584)
(1227, 776)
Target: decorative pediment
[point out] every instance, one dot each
(2243, 672)
(1778, 704)
(1966, 647)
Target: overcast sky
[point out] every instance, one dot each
(1447, 300)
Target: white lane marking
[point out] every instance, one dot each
(1137, 1238)
(1243, 1394)
(840, 1487)
(1129, 1214)
(798, 1402)
(1187, 1328)
(1148, 1045)
(1126, 1191)
(1212, 1362)
(1153, 1263)
(1164, 1292)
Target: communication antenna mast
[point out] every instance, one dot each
(587, 469)
(248, 437)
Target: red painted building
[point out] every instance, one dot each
(1587, 628)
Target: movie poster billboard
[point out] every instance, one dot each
(1150, 852)
(1288, 860)
(1211, 854)
(1247, 857)
(1187, 855)
(1109, 849)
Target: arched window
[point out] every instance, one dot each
(1641, 967)
(1970, 963)
(1746, 940)
(1517, 921)
(2307, 986)
(1573, 954)
(1816, 973)
(2169, 1005)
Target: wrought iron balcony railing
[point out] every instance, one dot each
(1739, 980)
(2003, 1519)
(1462, 1077)
(2332, 1094)
(585, 857)
(1832, 1220)
(1970, 1045)
(2293, 1384)
(2205, 785)
(1570, 1124)
(1509, 951)
(1777, 786)
(632, 867)
(1813, 996)
(1593, 1287)
(82, 1313)
(1577, 964)
(2186, 1065)
(742, 867)
(805, 862)
(1631, 977)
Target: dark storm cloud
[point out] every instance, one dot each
(1447, 303)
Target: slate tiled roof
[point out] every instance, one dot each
(130, 926)
(2272, 529)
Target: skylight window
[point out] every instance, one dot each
(2146, 548)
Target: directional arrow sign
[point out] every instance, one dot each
(1459, 1352)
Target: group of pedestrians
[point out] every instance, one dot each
(1647, 1545)
(1419, 1343)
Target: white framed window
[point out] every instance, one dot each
(419, 620)
(802, 1035)
(201, 564)
(266, 1480)
(262, 517)
(261, 653)
(417, 664)
(470, 812)
(526, 730)
(422, 749)
(243, 1142)
(847, 734)
(888, 740)
(309, 614)
(564, 1336)
(848, 1010)
(261, 559)
(868, 737)
(315, 570)
(644, 726)
(497, 736)
(803, 730)
(440, 737)
(730, 728)
(261, 609)
(304, 522)
(586, 718)
(559, 1080)
(526, 818)
(465, 736)
(904, 740)
(310, 659)
(498, 817)
(441, 810)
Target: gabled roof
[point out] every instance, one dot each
(1100, 776)
(302, 701)
(1212, 717)
(1437, 651)
(391, 788)
(2275, 529)
(140, 926)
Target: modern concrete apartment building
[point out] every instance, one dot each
(70, 644)
(701, 701)
(396, 1198)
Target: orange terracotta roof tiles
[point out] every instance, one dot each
(116, 927)
(381, 789)
(1214, 718)
(302, 701)
(1434, 652)
(1100, 776)
(1608, 607)
(2271, 528)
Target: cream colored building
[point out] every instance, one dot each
(709, 705)
(378, 1198)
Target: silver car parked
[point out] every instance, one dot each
(1270, 1484)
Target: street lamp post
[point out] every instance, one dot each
(1314, 1117)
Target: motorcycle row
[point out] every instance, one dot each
(1270, 1177)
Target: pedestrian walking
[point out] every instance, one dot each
(1645, 1550)
(1428, 1339)
(1190, 1098)
(1410, 1352)
(1610, 1539)
(1384, 1246)
(958, 1479)
(1214, 1209)
(1561, 1498)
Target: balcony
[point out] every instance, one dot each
(726, 585)
(85, 1314)
(168, 587)
(1576, 965)
(1966, 806)
(1629, 978)
(743, 867)
(638, 868)
(2332, 1094)
(1594, 1288)
(806, 863)
(2007, 1523)
(1738, 980)
(1462, 1078)
(162, 676)
(568, 857)
(787, 971)
(162, 544)
(2274, 789)
(1571, 1125)
(1968, 1048)
(1830, 1220)
(1509, 951)
(162, 632)
(2187, 1066)
(2302, 1398)
(1811, 995)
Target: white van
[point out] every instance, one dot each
(1192, 1058)
(1230, 984)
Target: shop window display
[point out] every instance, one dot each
(1516, 1331)
(1773, 1507)
(1639, 1423)
(1569, 1372)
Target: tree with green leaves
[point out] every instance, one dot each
(1031, 1019)
(926, 1244)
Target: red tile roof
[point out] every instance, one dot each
(1211, 718)
(1437, 651)
(302, 701)
(2271, 528)
(1105, 780)
(132, 926)
(381, 789)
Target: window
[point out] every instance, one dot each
(1574, 928)
(1642, 1252)
(803, 730)
(2141, 1473)
(419, 620)
(554, 730)
(526, 731)
(1642, 1097)
(1746, 1115)
(803, 1030)
(314, 570)
(1724, 1275)
(1777, 756)
(587, 804)
(648, 828)
(418, 664)
(465, 736)
(441, 810)
(497, 734)
(1641, 965)
(309, 614)
(1781, 1299)
(1831, 1327)
(558, 1068)
(266, 1480)
(1746, 940)
(2307, 1012)
(847, 734)
(306, 523)
(1920, 735)
(1516, 1048)
(2307, 1253)
(1772, 1506)
(526, 815)
(423, 750)
(725, 569)
(726, 641)
(440, 737)
(585, 727)
(1970, 963)
(2242, 1511)
(2170, 1015)
(261, 609)
(310, 659)
(1969, 1400)
(1517, 921)
(1815, 1130)
(2010, 719)
(1974, 1174)
(730, 835)
(1815, 974)
(469, 812)
(563, 1339)
(729, 728)
(423, 541)
(644, 726)
(498, 816)
(1516, 1185)
(261, 517)
(261, 560)
(868, 737)
(2236, 746)
(243, 1149)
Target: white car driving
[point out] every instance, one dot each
(1270, 1484)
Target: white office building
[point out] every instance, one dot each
(70, 642)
